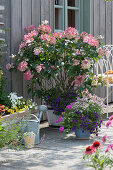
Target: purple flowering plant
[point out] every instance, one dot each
(58, 100)
(85, 113)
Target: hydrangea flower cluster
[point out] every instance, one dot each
(62, 60)
(85, 113)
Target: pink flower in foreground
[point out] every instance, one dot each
(22, 66)
(28, 75)
(91, 40)
(109, 122)
(69, 106)
(111, 117)
(23, 44)
(96, 145)
(61, 129)
(9, 66)
(104, 138)
(109, 147)
(89, 150)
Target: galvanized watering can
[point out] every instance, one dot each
(32, 125)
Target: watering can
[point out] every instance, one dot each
(32, 125)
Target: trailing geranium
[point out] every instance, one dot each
(62, 60)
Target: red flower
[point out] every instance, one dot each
(89, 150)
(96, 145)
(2, 108)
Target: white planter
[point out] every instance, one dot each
(52, 118)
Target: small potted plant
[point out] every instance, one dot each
(57, 102)
(29, 138)
(84, 116)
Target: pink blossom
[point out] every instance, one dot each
(57, 35)
(76, 62)
(91, 40)
(79, 80)
(77, 52)
(102, 52)
(109, 147)
(83, 34)
(61, 129)
(9, 66)
(59, 120)
(109, 122)
(52, 40)
(30, 28)
(28, 75)
(37, 50)
(85, 64)
(29, 37)
(22, 66)
(70, 33)
(111, 117)
(44, 28)
(45, 37)
(39, 68)
(76, 39)
(104, 138)
(23, 44)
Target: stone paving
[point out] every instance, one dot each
(56, 151)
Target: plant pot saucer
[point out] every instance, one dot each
(82, 138)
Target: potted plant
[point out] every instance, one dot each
(83, 115)
(29, 138)
(57, 103)
(55, 60)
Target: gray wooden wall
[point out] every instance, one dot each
(20, 13)
(101, 23)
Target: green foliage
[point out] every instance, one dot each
(11, 133)
(99, 161)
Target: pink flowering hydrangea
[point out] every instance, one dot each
(48, 39)
(22, 66)
(37, 50)
(23, 44)
(70, 33)
(57, 35)
(85, 64)
(91, 40)
(30, 28)
(28, 75)
(102, 52)
(79, 80)
(76, 62)
(44, 29)
(29, 37)
(39, 68)
(9, 66)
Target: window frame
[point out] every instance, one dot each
(65, 9)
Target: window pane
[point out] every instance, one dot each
(73, 3)
(58, 2)
(73, 18)
(58, 19)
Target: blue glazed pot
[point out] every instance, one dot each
(82, 134)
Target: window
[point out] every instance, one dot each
(67, 14)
